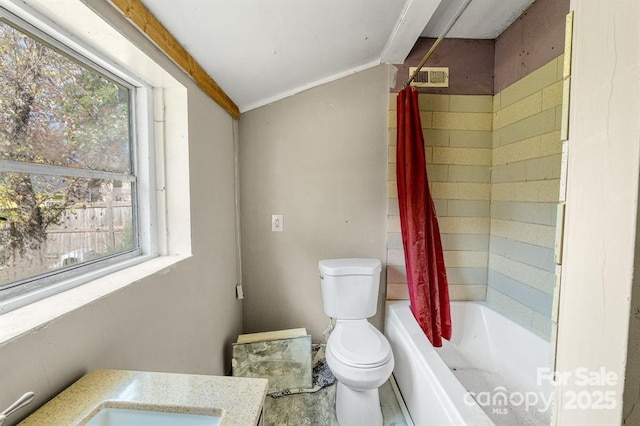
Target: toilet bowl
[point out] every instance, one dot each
(358, 354)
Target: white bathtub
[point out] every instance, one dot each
(487, 374)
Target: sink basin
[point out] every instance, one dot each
(109, 416)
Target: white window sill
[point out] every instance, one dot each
(38, 314)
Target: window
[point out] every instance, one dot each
(69, 177)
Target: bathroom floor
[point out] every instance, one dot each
(318, 408)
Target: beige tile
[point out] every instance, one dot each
(393, 101)
(552, 95)
(392, 120)
(397, 291)
(391, 153)
(428, 155)
(426, 119)
(517, 151)
(462, 120)
(391, 171)
(431, 102)
(433, 137)
(530, 275)
(495, 139)
(465, 259)
(395, 257)
(464, 225)
(462, 156)
(461, 191)
(471, 103)
(560, 74)
(496, 103)
(392, 189)
(558, 110)
(519, 110)
(550, 143)
(536, 125)
(470, 138)
(393, 136)
(539, 235)
(396, 274)
(544, 191)
(535, 81)
(469, 292)
(393, 223)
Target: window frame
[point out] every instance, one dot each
(143, 100)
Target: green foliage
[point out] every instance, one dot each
(55, 111)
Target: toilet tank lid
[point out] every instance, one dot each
(350, 266)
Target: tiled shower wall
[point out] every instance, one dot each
(458, 145)
(524, 195)
(494, 167)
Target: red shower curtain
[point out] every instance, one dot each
(426, 274)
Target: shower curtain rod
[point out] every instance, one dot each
(451, 23)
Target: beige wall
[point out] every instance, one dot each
(457, 137)
(180, 320)
(597, 315)
(320, 159)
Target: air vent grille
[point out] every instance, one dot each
(430, 77)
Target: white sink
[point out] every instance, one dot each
(109, 416)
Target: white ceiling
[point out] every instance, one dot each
(260, 51)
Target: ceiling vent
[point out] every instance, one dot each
(430, 77)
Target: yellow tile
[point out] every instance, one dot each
(517, 151)
(392, 154)
(462, 120)
(430, 102)
(426, 119)
(550, 143)
(496, 102)
(462, 156)
(434, 137)
(392, 189)
(393, 101)
(517, 111)
(545, 191)
(552, 95)
(393, 137)
(560, 74)
(461, 191)
(535, 81)
(392, 120)
(467, 292)
(391, 168)
(470, 138)
(535, 125)
(539, 235)
(471, 103)
(428, 155)
(464, 225)
(465, 259)
(558, 117)
(495, 139)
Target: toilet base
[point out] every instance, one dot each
(358, 408)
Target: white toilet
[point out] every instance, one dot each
(357, 353)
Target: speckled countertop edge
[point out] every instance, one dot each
(239, 400)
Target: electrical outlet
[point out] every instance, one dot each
(277, 223)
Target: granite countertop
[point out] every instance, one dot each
(239, 400)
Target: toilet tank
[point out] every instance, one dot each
(350, 287)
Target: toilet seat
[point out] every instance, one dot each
(359, 344)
